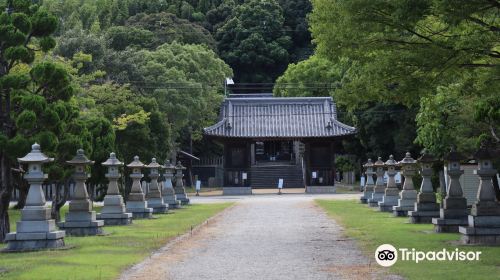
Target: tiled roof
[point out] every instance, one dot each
(278, 117)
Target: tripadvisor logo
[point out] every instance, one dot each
(387, 255)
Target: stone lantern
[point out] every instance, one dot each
(426, 207)
(453, 212)
(180, 192)
(379, 189)
(407, 196)
(484, 221)
(391, 194)
(81, 220)
(113, 212)
(369, 185)
(136, 202)
(168, 191)
(154, 198)
(36, 230)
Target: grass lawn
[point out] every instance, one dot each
(372, 228)
(104, 257)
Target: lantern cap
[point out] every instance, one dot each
(112, 161)
(179, 166)
(369, 163)
(35, 155)
(136, 163)
(426, 157)
(453, 155)
(483, 153)
(407, 160)
(391, 161)
(379, 162)
(168, 165)
(80, 159)
(154, 164)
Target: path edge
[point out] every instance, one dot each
(172, 242)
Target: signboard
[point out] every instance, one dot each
(244, 175)
(198, 185)
(280, 183)
(315, 174)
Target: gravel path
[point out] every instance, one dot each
(262, 237)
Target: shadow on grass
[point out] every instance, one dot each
(372, 228)
(104, 257)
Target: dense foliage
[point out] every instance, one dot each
(436, 61)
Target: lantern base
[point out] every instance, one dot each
(82, 228)
(481, 230)
(115, 219)
(182, 197)
(388, 201)
(367, 194)
(375, 199)
(139, 209)
(448, 225)
(33, 241)
(172, 202)
(159, 207)
(403, 207)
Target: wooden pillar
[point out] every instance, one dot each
(252, 153)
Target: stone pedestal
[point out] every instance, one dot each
(136, 202)
(391, 194)
(180, 192)
(369, 185)
(113, 212)
(81, 220)
(379, 188)
(426, 207)
(36, 230)
(168, 192)
(408, 195)
(154, 198)
(453, 212)
(484, 221)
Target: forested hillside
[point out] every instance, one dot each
(151, 72)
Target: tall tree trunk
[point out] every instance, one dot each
(442, 186)
(5, 195)
(59, 199)
(23, 188)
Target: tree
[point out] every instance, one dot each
(138, 127)
(121, 37)
(410, 52)
(295, 14)
(253, 42)
(168, 28)
(315, 76)
(35, 100)
(77, 41)
(183, 80)
(217, 17)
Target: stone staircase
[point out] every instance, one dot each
(267, 176)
